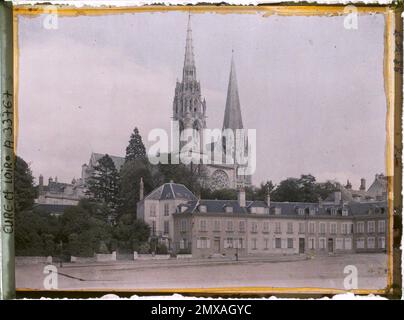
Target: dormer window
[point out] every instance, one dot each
(259, 210)
(333, 211)
(228, 209)
(312, 211)
(202, 208)
(278, 211)
(300, 211)
(345, 212)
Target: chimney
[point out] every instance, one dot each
(50, 180)
(320, 202)
(363, 184)
(40, 187)
(241, 197)
(337, 197)
(141, 191)
(268, 198)
(56, 179)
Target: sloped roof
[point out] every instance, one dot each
(286, 208)
(171, 191)
(118, 161)
(379, 186)
(360, 209)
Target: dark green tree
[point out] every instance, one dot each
(84, 231)
(135, 149)
(35, 233)
(23, 186)
(324, 189)
(130, 175)
(303, 189)
(189, 175)
(220, 194)
(261, 192)
(131, 233)
(103, 185)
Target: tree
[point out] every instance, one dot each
(130, 233)
(130, 175)
(23, 186)
(135, 149)
(35, 233)
(84, 231)
(191, 175)
(303, 189)
(103, 185)
(220, 194)
(261, 192)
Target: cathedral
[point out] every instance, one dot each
(189, 109)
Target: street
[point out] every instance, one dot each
(320, 272)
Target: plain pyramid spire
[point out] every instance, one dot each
(189, 71)
(232, 115)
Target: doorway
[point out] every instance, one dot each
(301, 245)
(331, 245)
(216, 245)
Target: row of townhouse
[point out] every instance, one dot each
(206, 228)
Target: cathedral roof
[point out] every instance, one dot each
(232, 115)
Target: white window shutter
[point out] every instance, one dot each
(208, 243)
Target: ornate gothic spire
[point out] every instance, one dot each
(189, 71)
(232, 115)
(189, 107)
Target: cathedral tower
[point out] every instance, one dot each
(233, 120)
(232, 114)
(189, 109)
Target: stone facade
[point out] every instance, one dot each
(59, 193)
(157, 209)
(208, 228)
(189, 109)
(57, 196)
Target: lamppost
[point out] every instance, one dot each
(61, 254)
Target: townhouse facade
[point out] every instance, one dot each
(208, 228)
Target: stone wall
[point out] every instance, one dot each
(33, 260)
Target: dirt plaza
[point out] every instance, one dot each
(295, 271)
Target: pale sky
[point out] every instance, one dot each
(313, 90)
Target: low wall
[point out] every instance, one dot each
(82, 259)
(33, 260)
(184, 256)
(125, 256)
(150, 256)
(105, 256)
